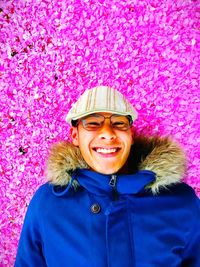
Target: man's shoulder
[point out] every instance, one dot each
(186, 195)
(185, 189)
(49, 193)
(41, 196)
(43, 190)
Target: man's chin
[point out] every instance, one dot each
(107, 171)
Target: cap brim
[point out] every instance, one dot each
(72, 116)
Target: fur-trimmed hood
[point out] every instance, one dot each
(160, 155)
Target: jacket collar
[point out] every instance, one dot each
(101, 184)
(161, 156)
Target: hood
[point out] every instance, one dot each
(161, 155)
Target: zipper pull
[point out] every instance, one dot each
(113, 180)
(112, 183)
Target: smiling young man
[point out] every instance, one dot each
(104, 140)
(112, 199)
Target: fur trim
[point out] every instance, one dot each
(63, 159)
(160, 155)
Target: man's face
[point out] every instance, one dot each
(106, 149)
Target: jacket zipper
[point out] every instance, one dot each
(113, 184)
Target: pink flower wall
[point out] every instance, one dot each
(52, 50)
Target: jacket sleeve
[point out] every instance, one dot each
(30, 248)
(191, 255)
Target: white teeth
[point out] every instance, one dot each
(106, 150)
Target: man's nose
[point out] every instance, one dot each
(107, 132)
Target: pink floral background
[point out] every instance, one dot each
(52, 50)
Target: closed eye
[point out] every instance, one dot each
(93, 124)
(119, 123)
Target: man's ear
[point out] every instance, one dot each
(74, 135)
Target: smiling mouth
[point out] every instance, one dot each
(106, 150)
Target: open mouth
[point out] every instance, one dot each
(103, 150)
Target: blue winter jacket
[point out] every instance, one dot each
(142, 219)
